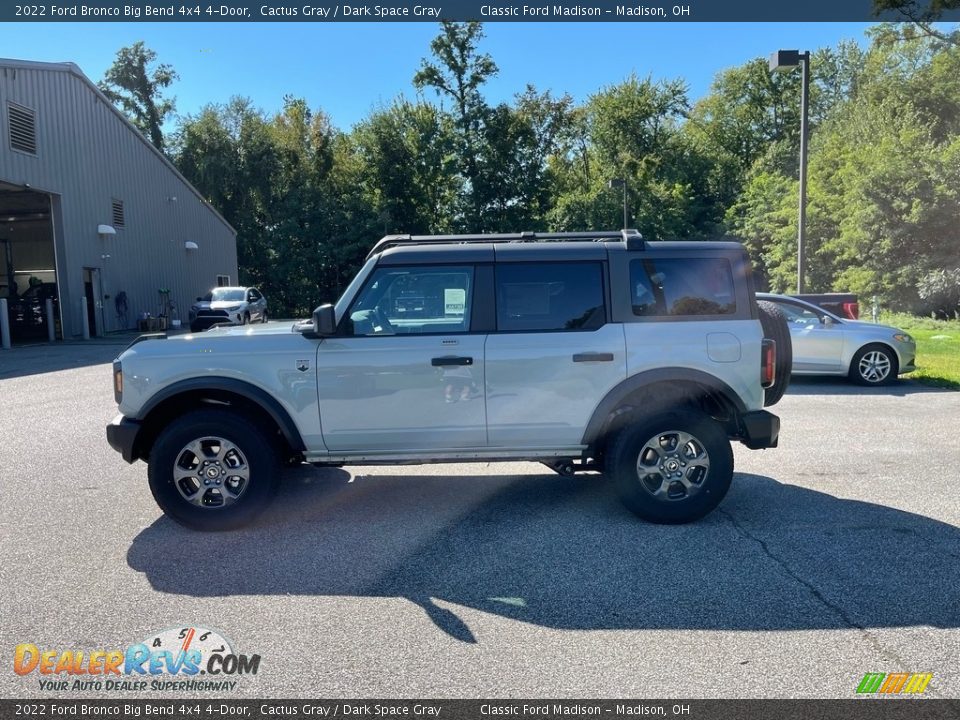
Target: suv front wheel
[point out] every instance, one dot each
(213, 470)
(673, 467)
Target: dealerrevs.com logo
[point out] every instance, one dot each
(179, 659)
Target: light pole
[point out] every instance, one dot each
(621, 182)
(784, 60)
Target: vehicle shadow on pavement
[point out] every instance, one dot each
(808, 385)
(563, 553)
(36, 359)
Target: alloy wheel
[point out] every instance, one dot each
(211, 472)
(672, 465)
(874, 366)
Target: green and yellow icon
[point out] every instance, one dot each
(894, 683)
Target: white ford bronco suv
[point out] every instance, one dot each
(585, 351)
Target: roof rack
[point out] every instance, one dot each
(631, 238)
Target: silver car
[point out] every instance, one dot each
(230, 306)
(824, 344)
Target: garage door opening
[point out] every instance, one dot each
(28, 266)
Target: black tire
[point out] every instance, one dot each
(775, 327)
(707, 485)
(194, 328)
(246, 319)
(263, 317)
(253, 448)
(881, 358)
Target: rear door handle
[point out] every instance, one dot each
(451, 360)
(593, 357)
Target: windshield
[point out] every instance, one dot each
(229, 294)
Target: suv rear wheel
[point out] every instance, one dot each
(213, 470)
(673, 467)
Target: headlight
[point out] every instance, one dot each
(903, 337)
(232, 308)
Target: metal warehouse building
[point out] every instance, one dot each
(89, 208)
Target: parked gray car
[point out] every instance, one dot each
(825, 344)
(228, 306)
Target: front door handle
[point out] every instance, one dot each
(451, 360)
(593, 357)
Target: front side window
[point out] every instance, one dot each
(413, 301)
(682, 287)
(549, 296)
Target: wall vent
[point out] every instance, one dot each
(118, 220)
(23, 128)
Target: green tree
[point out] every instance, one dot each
(410, 174)
(884, 174)
(288, 184)
(633, 131)
(923, 13)
(514, 177)
(135, 83)
(457, 73)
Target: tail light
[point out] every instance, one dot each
(851, 310)
(768, 363)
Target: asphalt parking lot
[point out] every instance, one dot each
(834, 555)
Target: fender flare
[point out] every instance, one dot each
(651, 377)
(246, 390)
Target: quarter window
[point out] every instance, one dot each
(682, 287)
(414, 301)
(549, 296)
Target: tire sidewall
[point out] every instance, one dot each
(259, 453)
(622, 464)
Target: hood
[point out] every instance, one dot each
(221, 331)
(866, 326)
(217, 304)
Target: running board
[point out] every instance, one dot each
(424, 457)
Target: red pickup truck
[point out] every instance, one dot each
(845, 305)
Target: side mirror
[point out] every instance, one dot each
(324, 320)
(826, 320)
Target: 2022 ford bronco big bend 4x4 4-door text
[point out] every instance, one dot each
(594, 351)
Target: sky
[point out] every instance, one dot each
(349, 69)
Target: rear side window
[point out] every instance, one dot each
(682, 287)
(549, 296)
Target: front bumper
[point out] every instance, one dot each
(759, 429)
(907, 353)
(122, 436)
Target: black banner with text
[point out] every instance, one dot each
(120, 709)
(484, 10)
